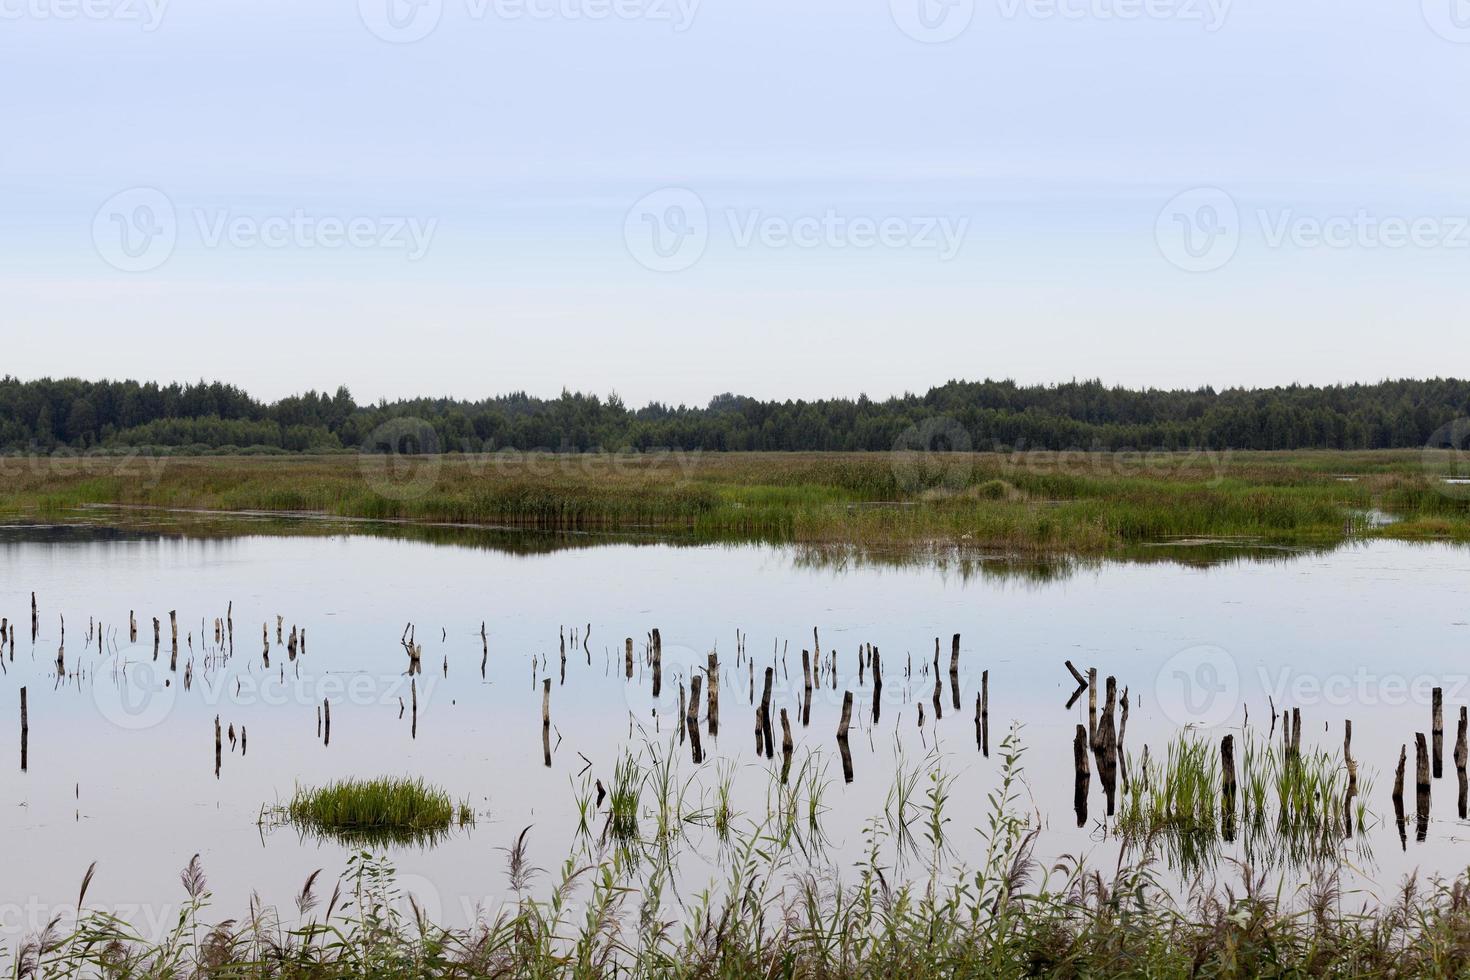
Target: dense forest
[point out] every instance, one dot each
(69, 414)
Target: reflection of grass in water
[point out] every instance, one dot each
(627, 789)
(376, 811)
(1289, 811)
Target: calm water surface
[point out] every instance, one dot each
(121, 771)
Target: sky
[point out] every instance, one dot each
(671, 199)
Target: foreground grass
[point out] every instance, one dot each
(775, 913)
(1035, 502)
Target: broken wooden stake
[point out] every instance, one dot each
(1437, 732)
(691, 719)
(713, 674)
(1227, 783)
(25, 724)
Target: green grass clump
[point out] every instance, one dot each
(383, 810)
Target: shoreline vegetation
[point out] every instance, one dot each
(47, 414)
(1033, 503)
(933, 893)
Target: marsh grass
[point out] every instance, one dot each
(1030, 502)
(374, 811)
(1290, 811)
(765, 914)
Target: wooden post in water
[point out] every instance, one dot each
(938, 684)
(691, 719)
(1421, 796)
(1092, 707)
(1352, 768)
(546, 721)
(1437, 702)
(1083, 770)
(173, 624)
(217, 751)
(806, 688)
(877, 661)
(785, 746)
(1398, 777)
(954, 671)
(985, 713)
(1461, 752)
(657, 644)
(326, 722)
(132, 627)
(1227, 783)
(1107, 745)
(979, 727)
(413, 688)
(628, 658)
(25, 726)
(764, 718)
(35, 619)
(1398, 796)
(842, 747)
(1122, 734)
(713, 673)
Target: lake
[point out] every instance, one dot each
(121, 758)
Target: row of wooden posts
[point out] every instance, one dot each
(1100, 742)
(705, 684)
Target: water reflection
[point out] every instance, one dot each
(497, 608)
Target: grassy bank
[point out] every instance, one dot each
(1092, 503)
(778, 909)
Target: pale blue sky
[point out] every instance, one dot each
(1024, 171)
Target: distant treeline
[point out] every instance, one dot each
(47, 415)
